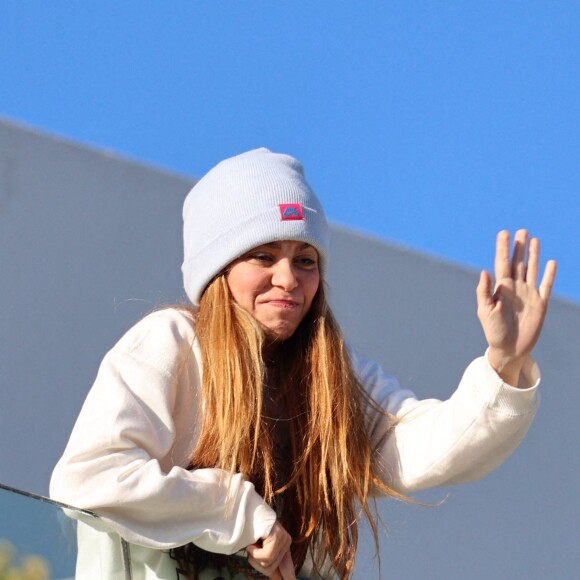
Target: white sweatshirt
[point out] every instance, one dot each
(131, 444)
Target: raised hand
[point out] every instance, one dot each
(513, 315)
(271, 556)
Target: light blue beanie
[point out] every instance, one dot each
(243, 202)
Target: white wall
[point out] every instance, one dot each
(90, 242)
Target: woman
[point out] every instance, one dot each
(241, 435)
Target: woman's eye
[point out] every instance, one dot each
(260, 257)
(307, 262)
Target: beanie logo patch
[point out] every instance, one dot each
(291, 211)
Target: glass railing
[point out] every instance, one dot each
(38, 538)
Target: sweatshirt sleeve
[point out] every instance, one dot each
(126, 458)
(419, 444)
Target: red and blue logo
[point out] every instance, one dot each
(291, 211)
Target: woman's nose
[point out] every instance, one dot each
(284, 276)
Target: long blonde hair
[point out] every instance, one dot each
(326, 478)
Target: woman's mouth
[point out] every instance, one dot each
(283, 304)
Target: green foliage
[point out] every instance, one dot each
(27, 568)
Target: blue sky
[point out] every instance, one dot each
(431, 124)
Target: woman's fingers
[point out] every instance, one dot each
(502, 256)
(519, 257)
(265, 568)
(548, 280)
(533, 262)
(525, 261)
(483, 293)
(286, 568)
(274, 550)
(533, 269)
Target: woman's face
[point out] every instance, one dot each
(276, 284)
